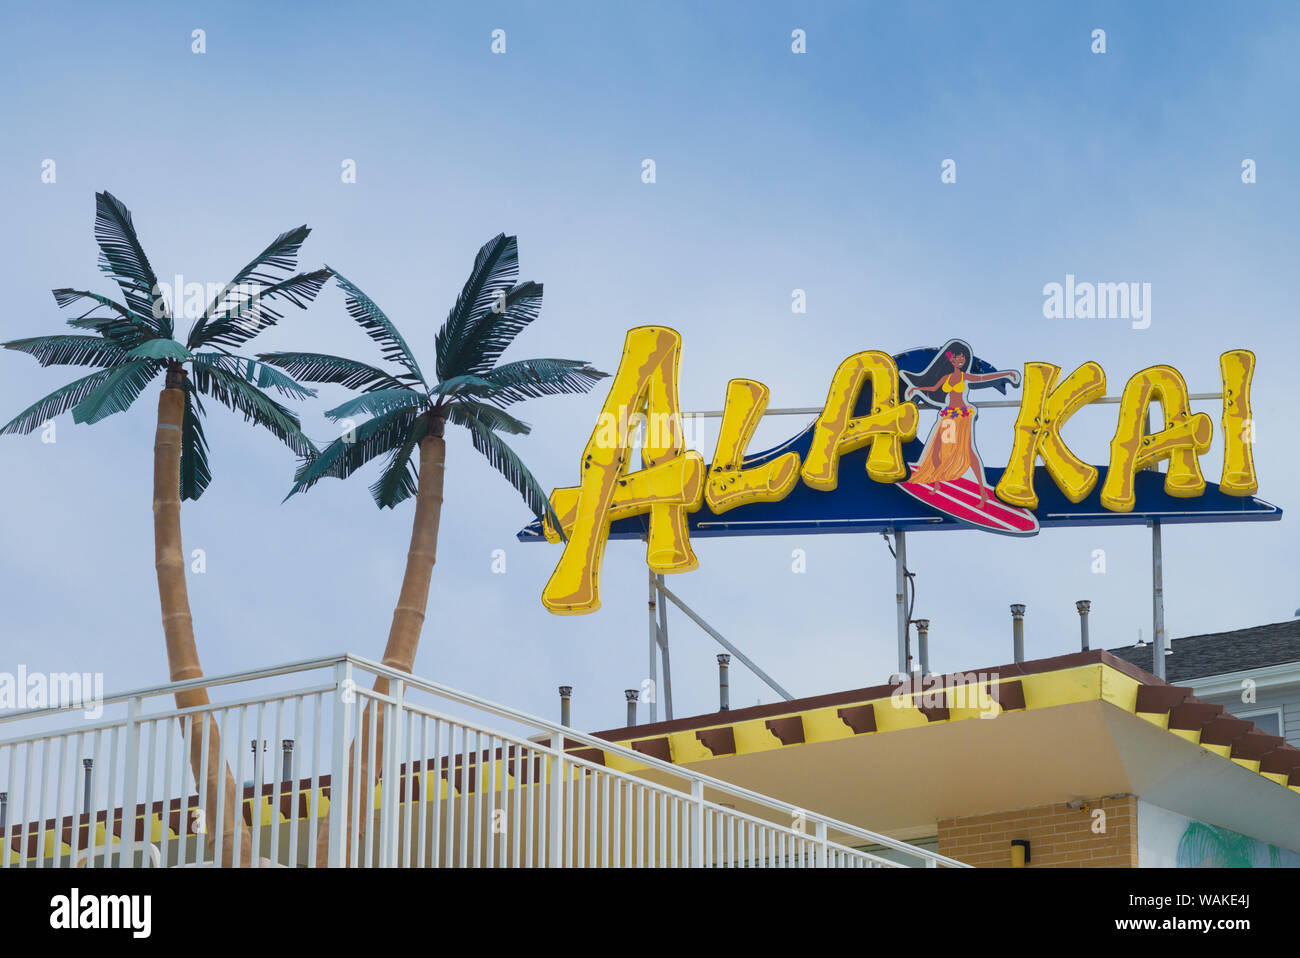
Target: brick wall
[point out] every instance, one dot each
(1058, 836)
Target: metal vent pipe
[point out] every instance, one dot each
(724, 682)
(1018, 631)
(923, 644)
(565, 692)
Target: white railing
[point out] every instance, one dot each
(463, 794)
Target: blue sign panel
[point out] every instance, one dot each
(861, 504)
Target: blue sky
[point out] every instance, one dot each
(775, 171)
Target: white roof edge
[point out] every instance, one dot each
(1268, 676)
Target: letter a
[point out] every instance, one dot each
(889, 424)
(1184, 437)
(669, 485)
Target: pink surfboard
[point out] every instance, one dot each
(960, 498)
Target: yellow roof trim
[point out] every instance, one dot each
(1092, 682)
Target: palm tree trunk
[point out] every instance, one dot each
(408, 620)
(178, 627)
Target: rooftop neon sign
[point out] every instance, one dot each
(869, 423)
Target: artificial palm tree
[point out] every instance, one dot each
(133, 341)
(408, 412)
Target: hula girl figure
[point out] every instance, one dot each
(949, 455)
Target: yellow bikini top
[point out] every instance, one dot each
(960, 387)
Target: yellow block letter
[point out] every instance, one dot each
(1238, 478)
(730, 484)
(889, 424)
(1184, 437)
(1043, 410)
(670, 484)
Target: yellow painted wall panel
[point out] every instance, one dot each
(687, 748)
(1158, 719)
(825, 725)
(754, 736)
(1066, 687)
(891, 718)
(1119, 689)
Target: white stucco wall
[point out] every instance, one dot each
(1160, 832)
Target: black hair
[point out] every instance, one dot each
(929, 381)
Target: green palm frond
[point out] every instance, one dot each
(123, 258)
(195, 470)
(124, 333)
(379, 327)
(533, 378)
(268, 377)
(121, 327)
(245, 397)
(118, 391)
(489, 416)
(378, 403)
(496, 328)
(494, 272)
(66, 297)
(489, 313)
(69, 350)
(259, 374)
(461, 384)
(242, 314)
(160, 348)
(400, 479)
(504, 461)
(134, 342)
(268, 267)
(348, 453)
(324, 368)
(55, 404)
